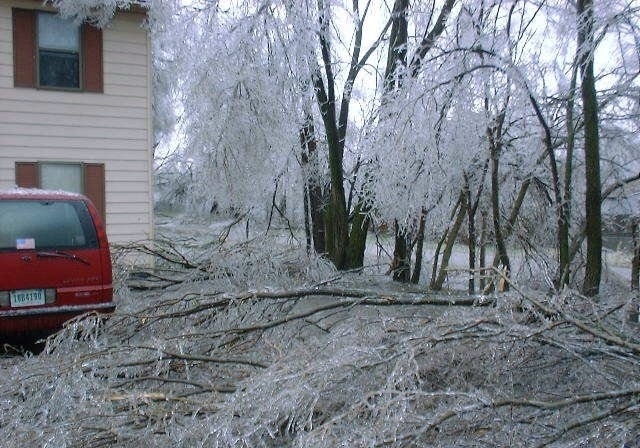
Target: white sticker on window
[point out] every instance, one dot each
(25, 243)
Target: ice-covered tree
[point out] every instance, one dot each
(463, 110)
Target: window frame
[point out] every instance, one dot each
(27, 175)
(25, 54)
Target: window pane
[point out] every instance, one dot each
(61, 176)
(27, 224)
(59, 69)
(55, 33)
(58, 52)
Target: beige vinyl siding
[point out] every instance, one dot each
(111, 128)
(6, 52)
(64, 119)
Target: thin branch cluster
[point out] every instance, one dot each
(270, 355)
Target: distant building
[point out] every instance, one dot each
(619, 214)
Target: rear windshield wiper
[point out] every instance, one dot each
(62, 254)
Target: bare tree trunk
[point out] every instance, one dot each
(472, 208)
(415, 277)
(564, 268)
(307, 223)
(436, 253)
(562, 221)
(483, 249)
(593, 201)
(436, 256)
(495, 136)
(314, 199)
(508, 228)
(401, 255)
(471, 228)
(357, 238)
(448, 248)
(635, 261)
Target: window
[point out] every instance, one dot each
(85, 178)
(58, 52)
(28, 225)
(61, 176)
(54, 53)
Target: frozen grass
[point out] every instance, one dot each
(254, 343)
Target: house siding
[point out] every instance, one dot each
(113, 128)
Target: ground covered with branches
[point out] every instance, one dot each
(256, 344)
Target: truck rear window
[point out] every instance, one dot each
(45, 224)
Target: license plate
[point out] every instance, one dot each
(27, 297)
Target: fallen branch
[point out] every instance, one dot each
(162, 396)
(351, 297)
(442, 417)
(587, 327)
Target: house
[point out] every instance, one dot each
(75, 111)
